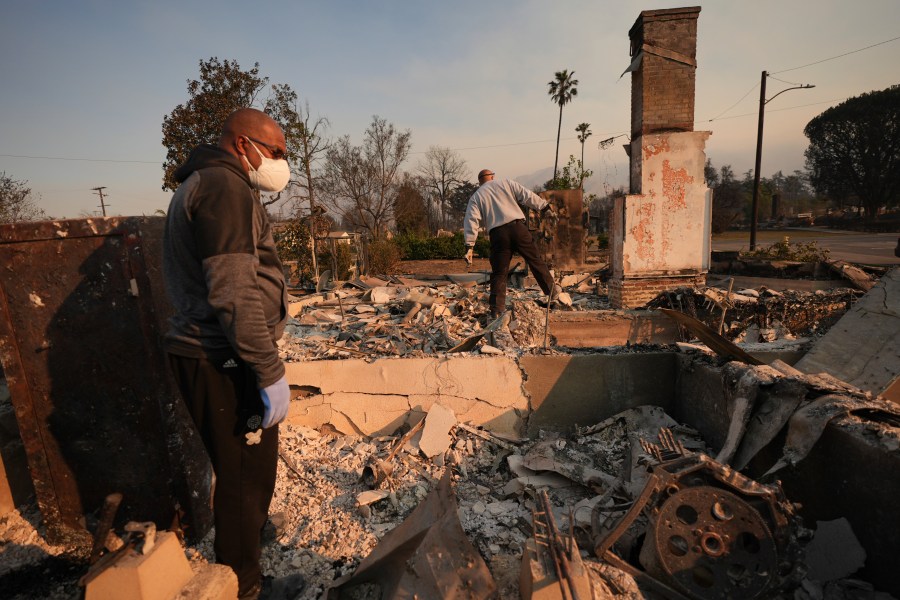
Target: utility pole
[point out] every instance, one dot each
(99, 191)
(754, 207)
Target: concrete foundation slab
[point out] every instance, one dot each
(374, 398)
(598, 328)
(582, 390)
(863, 348)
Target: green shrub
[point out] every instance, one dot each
(414, 247)
(293, 244)
(785, 250)
(343, 258)
(383, 256)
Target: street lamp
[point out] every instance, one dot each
(759, 135)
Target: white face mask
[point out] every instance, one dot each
(271, 176)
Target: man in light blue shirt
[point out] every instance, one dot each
(494, 208)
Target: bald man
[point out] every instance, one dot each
(227, 286)
(494, 207)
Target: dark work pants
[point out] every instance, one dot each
(221, 399)
(506, 239)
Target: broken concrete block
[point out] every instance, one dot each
(441, 310)
(158, 575)
(488, 349)
(371, 496)
(435, 438)
(570, 280)
(381, 295)
(211, 582)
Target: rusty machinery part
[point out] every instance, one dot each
(712, 532)
(669, 446)
(710, 543)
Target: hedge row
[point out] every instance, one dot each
(427, 248)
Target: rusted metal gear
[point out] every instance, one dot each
(711, 532)
(710, 543)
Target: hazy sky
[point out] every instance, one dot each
(93, 80)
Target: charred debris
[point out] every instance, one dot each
(651, 502)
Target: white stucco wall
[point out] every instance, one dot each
(665, 230)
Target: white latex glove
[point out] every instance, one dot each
(469, 254)
(276, 399)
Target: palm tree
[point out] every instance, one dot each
(583, 134)
(562, 89)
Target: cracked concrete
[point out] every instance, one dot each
(863, 348)
(374, 398)
(498, 393)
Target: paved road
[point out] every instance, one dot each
(852, 246)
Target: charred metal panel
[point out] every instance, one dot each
(561, 239)
(79, 346)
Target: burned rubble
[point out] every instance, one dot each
(404, 317)
(645, 437)
(611, 486)
(599, 480)
(761, 315)
(376, 318)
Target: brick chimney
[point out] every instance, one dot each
(662, 86)
(661, 231)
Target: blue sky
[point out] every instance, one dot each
(93, 79)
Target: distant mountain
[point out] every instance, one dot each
(535, 178)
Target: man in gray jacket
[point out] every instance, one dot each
(225, 281)
(494, 208)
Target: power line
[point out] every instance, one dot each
(770, 76)
(565, 139)
(771, 110)
(794, 69)
(735, 104)
(838, 56)
(109, 160)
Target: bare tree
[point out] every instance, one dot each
(17, 202)
(443, 171)
(362, 181)
(306, 146)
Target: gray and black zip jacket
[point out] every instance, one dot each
(222, 272)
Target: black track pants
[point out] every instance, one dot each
(221, 396)
(506, 239)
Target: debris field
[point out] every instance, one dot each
(338, 496)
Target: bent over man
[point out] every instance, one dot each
(495, 207)
(226, 283)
